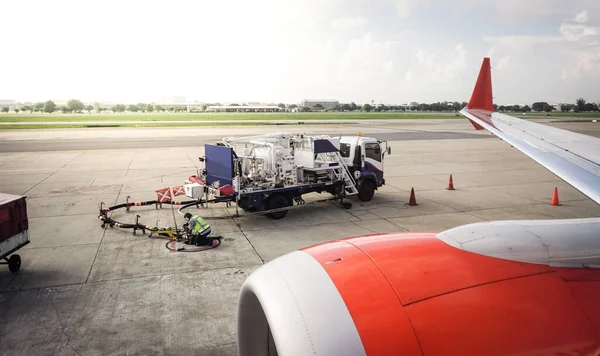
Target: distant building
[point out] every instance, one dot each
(245, 108)
(12, 105)
(327, 104)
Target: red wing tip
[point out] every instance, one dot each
(482, 98)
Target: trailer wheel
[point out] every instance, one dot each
(276, 202)
(14, 263)
(367, 190)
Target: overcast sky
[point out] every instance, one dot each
(389, 51)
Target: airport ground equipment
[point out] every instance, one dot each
(266, 175)
(269, 173)
(178, 238)
(14, 229)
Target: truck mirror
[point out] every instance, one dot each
(389, 150)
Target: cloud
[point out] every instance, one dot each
(520, 42)
(582, 17)
(568, 30)
(285, 50)
(402, 69)
(568, 63)
(512, 9)
(576, 32)
(503, 63)
(367, 58)
(514, 12)
(585, 63)
(404, 8)
(441, 69)
(347, 22)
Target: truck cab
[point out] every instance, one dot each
(364, 157)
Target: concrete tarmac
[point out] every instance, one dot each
(39, 140)
(85, 290)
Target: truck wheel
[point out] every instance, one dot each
(14, 263)
(276, 202)
(367, 190)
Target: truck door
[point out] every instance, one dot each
(373, 160)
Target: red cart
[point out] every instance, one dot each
(14, 229)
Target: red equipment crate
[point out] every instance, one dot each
(14, 228)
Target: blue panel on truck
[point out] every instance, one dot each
(219, 164)
(322, 146)
(371, 171)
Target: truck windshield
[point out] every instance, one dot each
(345, 149)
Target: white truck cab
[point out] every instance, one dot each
(364, 157)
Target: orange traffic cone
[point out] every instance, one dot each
(412, 201)
(555, 201)
(450, 184)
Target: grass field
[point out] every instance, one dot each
(222, 116)
(18, 126)
(29, 121)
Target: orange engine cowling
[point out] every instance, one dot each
(413, 294)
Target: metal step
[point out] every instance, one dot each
(343, 171)
(340, 171)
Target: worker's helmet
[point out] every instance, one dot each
(188, 215)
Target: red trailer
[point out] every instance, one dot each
(14, 229)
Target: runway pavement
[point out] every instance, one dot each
(158, 142)
(85, 290)
(39, 140)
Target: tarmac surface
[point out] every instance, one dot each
(85, 290)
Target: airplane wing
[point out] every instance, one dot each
(573, 157)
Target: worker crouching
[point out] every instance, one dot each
(199, 230)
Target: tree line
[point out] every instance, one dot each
(440, 106)
(580, 105)
(76, 106)
(50, 107)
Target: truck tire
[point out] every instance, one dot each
(367, 190)
(14, 263)
(275, 202)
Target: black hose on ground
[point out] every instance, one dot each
(216, 200)
(103, 216)
(197, 249)
(153, 202)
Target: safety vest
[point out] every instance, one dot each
(201, 224)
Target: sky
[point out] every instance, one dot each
(385, 51)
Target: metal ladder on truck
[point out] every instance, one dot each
(341, 171)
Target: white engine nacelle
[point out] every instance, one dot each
(281, 313)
